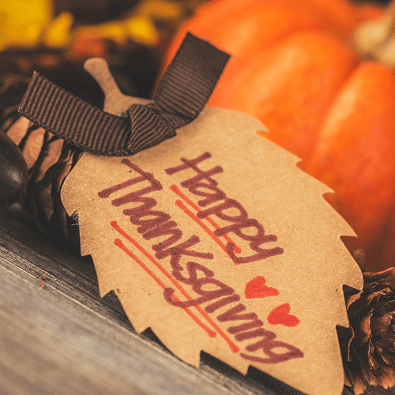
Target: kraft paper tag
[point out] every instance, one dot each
(218, 242)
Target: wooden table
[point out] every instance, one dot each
(64, 339)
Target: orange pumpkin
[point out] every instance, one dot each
(294, 67)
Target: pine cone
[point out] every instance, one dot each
(368, 345)
(48, 159)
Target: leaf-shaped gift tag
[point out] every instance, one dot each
(181, 231)
(218, 242)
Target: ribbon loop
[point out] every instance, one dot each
(181, 95)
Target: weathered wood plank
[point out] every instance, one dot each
(64, 339)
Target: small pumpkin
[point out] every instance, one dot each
(294, 66)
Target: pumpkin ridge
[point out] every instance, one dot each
(355, 154)
(325, 116)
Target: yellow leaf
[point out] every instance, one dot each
(57, 33)
(22, 22)
(142, 30)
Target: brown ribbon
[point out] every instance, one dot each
(182, 94)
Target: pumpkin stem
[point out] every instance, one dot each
(376, 39)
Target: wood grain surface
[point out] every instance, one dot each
(63, 339)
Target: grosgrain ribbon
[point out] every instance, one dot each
(182, 94)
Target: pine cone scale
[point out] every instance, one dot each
(368, 346)
(18, 129)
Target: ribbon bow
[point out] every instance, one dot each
(181, 95)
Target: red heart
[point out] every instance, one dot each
(256, 288)
(280, 315)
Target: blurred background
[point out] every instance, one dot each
(55, 37)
